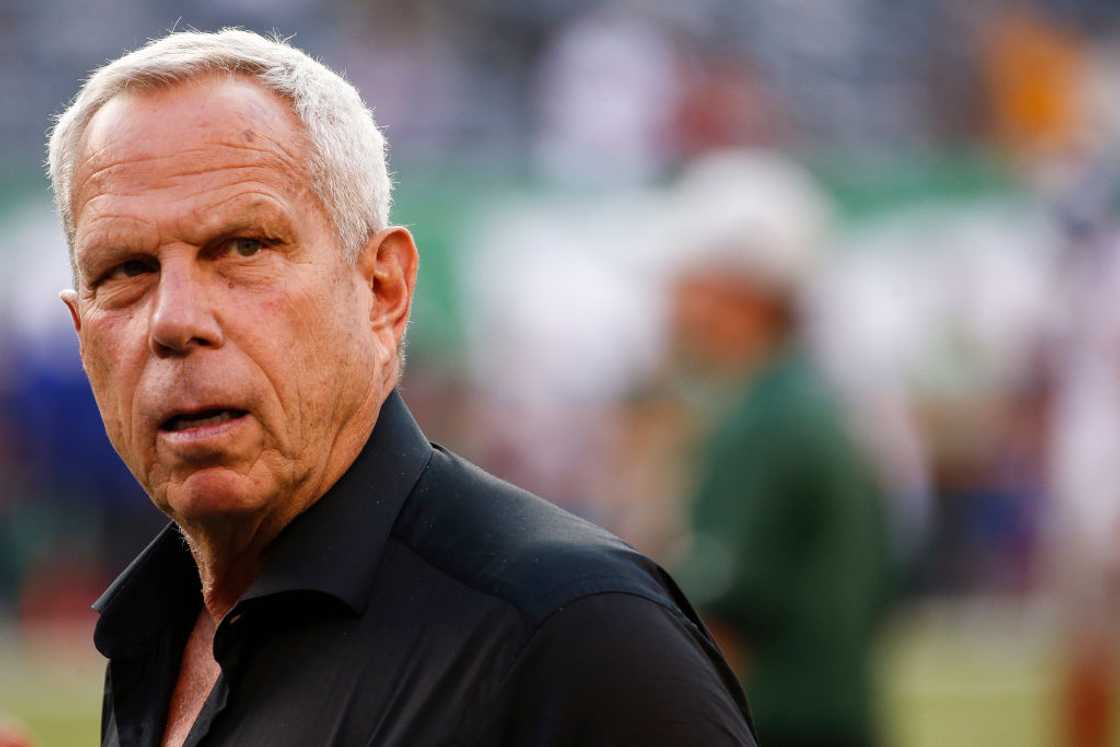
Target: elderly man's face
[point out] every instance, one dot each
(231, 347)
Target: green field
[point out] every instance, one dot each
(961, 675)
(51, 681)
(970, 678)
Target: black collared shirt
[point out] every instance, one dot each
(423, 602)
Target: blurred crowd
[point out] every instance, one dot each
(679, 259)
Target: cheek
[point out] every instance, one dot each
(316, 353)
(112, 364)
(328, 331)
(342, 361)
(297, 349)
(336, 350)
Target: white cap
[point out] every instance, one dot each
(751, 212)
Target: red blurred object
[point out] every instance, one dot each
(1088, 698)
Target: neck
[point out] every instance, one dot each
(227, 565)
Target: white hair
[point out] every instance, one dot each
(347, 165)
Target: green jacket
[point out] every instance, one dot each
(790, 550)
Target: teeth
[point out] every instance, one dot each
(183, 422)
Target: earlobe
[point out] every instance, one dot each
(70, 298)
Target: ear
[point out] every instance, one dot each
(70, 298)
(388, 264)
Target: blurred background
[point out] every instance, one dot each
(705, 273)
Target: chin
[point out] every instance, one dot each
(216, 493)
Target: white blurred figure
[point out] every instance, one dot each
(583, 330)
(1086, 475)
(607, 90)
(1087, 428)
(1085, 461)
(941, 306)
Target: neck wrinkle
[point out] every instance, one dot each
(228, 564)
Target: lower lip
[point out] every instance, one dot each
(203, 435)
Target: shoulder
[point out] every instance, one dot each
(663, 679)
(508, 543)
(602, 623)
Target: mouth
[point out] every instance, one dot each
(201, 419)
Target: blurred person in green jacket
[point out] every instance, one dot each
(787, 558)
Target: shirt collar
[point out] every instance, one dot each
(332, 548)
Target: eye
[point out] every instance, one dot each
(130, 268)
(134, 267)
(246, 246)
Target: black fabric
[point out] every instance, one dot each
(817, 742)
(420, 602)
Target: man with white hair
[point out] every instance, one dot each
(328, 576)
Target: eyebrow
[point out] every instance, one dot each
(254, 211)
(109, 241)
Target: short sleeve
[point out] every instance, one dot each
(617, 669)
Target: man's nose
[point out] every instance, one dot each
(183, 318)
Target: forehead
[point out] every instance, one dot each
(220, 125)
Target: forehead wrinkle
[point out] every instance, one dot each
(95, 225)
(102, 208)
(268, 159)
(240, 127)
(83, 181)
(252, 134)
(221, 214)
(279, 155)
(279, 201)
(262, 180)
(250, 146)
